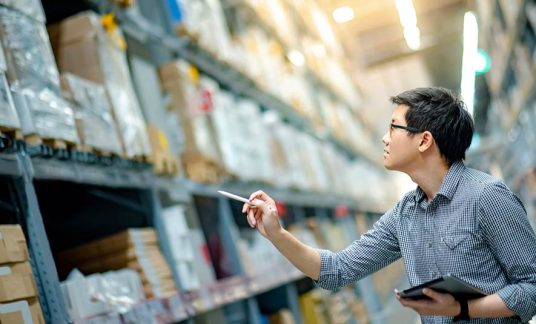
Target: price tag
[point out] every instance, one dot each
(341, 211)
(281, 208)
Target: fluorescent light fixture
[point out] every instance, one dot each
(413, 37)
(343, 14)
(408, 20)
(469, 58)
(295, 57)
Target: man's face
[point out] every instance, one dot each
(401, 149)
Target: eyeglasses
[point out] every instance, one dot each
(406, 128)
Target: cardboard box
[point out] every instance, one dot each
(108, 245)
(85, 49)
(12, 244)
(35, 309)
(16, 313)
(16, 282)
(136, 249)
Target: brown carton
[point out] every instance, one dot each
(12, 244)
(16, 312)
(16, 282)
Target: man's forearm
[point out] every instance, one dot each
(303, 257)
(488, 307)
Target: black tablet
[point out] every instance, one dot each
(446, 284)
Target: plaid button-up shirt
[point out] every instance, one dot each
(475, 228)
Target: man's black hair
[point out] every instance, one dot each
(442, 113)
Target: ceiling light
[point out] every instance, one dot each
(295, 57)
(408, 20)
(343, 14)
(470, 48)
(413, 37)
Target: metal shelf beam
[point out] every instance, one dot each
(52, 169)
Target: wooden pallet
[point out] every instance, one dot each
(183, 31)
(165, 164)
(97, 151)
(202, 169)
(11, 133)
(141, 158)
(54, 143)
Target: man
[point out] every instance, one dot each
(458, 220)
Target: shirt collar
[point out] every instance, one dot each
(449, 185)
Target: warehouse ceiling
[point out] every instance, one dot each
(375, 35)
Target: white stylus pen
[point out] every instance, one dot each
(235, 197)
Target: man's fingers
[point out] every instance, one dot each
(258, 214)
(262, 196)
(432, 294)
(257, 194)
(251, 218)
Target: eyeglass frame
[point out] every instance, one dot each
(406, 128)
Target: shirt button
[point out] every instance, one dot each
(429, 244)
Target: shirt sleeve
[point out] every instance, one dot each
(374, 250)
(509, 235)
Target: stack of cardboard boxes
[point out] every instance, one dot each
(18, 292)
(134, 248)
(193, 104)
(93, 48)
(32, 73)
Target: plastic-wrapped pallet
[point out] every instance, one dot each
(278, 159)
(99, 293)
(257, 153)
(249, 162)
(34, 79)
(206, 19)
(181, 244)
(95, 124)
(31, 8)
(225, 121)
(288, 138)
(192, 100)
(83, 47)
(8, 114)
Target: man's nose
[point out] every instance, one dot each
(386, 138)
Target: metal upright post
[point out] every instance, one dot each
(365, 285)
(292, 298)
(44, 268)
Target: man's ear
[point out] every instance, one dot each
(427, 140)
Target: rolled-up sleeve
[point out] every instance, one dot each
(374, 250)
(512, 240)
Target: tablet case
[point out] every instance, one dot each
(446, 284)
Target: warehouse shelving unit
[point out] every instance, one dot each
(508, 34)
(44, 190)
(167, 44)
(109, 183)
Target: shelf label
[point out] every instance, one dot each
(341, 211)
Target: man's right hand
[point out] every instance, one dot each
(262, 214)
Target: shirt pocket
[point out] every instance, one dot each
(454, 241)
